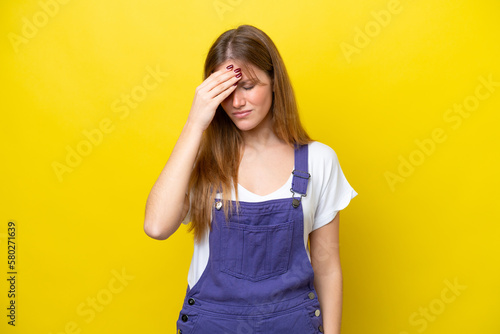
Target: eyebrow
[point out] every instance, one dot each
(247, 81)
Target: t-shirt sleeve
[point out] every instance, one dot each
(335, 192)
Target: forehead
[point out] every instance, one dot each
(236, 63)
(248, 70)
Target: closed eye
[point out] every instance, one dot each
(248, 88)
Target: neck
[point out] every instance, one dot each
(261, 136)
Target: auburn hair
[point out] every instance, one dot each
(216, 166)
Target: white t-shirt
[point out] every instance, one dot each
(328, 192)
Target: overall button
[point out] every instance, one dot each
(184, 317)
(191, 301)
(218, 205)
(320, 328)
(317, 313)
(179, 331)
(311, 295)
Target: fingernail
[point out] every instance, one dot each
(235, 84)
(229, 67)
(238, 75)
(237, 70)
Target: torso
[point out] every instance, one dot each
(263, 172)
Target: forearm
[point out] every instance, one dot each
(166, 201)
(329, 289)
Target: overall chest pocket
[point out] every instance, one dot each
(255, 252)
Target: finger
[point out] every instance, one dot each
(221, 80)
(226, 91)
(223, 83)
(214, 76)
(229, 84)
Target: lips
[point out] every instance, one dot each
(241, 114)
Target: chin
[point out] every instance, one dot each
(244, 127)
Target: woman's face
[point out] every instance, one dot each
(248, 105)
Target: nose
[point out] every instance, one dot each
(238, 98)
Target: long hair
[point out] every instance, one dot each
(219, 156)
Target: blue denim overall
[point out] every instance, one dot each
(258, 278)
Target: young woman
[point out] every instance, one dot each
(257, 191)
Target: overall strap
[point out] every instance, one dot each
(300, 174)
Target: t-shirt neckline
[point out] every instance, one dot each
(286, 184)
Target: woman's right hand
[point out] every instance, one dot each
(215, 89)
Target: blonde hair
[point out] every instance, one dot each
(219, 156)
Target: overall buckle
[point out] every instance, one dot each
(302, 175)
(295, 200)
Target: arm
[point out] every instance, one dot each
(325, 260)
(167, 203)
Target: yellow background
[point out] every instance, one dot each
(400, 245)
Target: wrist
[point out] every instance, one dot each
(193, 129)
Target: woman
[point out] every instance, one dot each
(260, 189)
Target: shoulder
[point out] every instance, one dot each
(321, 154)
